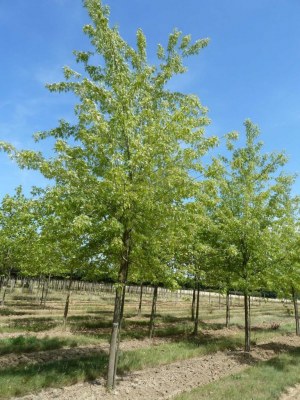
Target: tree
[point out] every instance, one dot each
(17, 230)
(284, 275)
(125, 166)
(252, 198)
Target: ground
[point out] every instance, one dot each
(169, 380)
(171, 370)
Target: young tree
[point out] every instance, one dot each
(125, 166)
(283, 276)
(18, 231)
(252, 202)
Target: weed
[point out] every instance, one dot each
(265, 381)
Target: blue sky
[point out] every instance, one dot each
(249, 70)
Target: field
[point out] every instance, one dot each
(40, 358)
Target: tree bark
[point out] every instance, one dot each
(43, 291)
(196, 322)
(140, 301)
(118, 311)
(227, 308)
(66, 310)
(247, 322)
(193, 304)
(47, 290)
(153, 312)
(3, 295)
(296, 311)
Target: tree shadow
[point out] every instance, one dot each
(28, 344)
(279, 348)
(35, 377)
(33, 324)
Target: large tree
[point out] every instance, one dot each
(125, 166)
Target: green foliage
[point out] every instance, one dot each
(17, 232)
(122, 172)
(250, 203)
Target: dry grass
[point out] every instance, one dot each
(25, 326)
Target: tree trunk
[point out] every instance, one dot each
(47, 290)
(118, 311)
(5, 284)
(193, 304)
(37, 298)
(247, 322)
(44, 292)
(153, 313)
(119, 331)
(227, 308)
(141, 299)
(3, 295)
(196, 322)
(296, 311)
(66, 310)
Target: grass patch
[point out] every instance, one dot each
(20, 380)
(170, 352)
(23, 344)
(33, 378)
(31, 324)
(90, 324)
(264, 381)
(8, 311)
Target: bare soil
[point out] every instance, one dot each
(165, 382)
(292, 393)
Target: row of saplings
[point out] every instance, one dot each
(40, 288)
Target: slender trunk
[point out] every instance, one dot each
(296, 311)
(196, 322)
(247, 322)
(37, 290)
(141, 299)
(153, 313)
(22, 285)
(119, 330)
(12, 285)
(3, 295)
(227, 308)
(112, 356)
(43, 291)
(30, 285)
(46, 291)
(193, 304)
(118, 312)
(249, 314)
(66, 310)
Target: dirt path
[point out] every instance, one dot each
(167, 381)
(292, 393)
